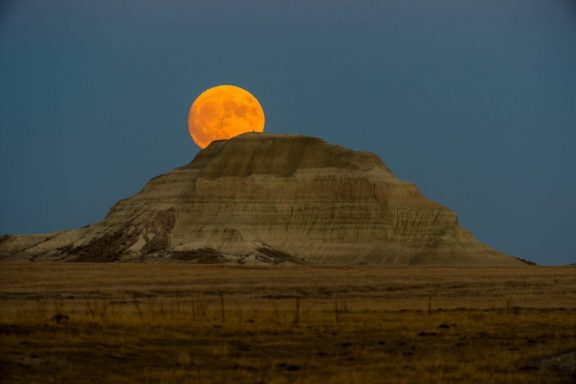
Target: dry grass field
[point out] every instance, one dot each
(179, 323)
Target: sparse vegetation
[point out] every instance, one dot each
(124, 323)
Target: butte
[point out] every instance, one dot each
(270, 199)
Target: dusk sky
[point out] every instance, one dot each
(473, 100)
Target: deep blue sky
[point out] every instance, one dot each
(473, 100)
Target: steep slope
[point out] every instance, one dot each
(262, 198)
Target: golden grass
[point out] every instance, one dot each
(125, 323)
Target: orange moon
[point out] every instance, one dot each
(223, 112)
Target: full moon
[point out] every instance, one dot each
(223, 112)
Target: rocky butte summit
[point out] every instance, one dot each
(270, 199)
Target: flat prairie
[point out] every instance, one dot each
(183, 323)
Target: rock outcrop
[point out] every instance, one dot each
(264, 198)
